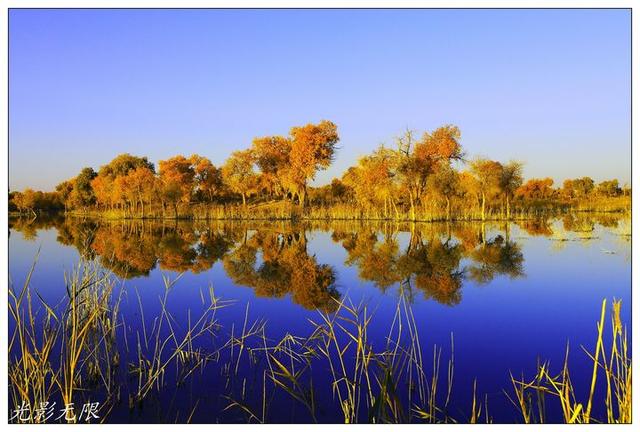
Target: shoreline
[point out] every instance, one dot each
(311, 218)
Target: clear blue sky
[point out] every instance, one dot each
(548, 87)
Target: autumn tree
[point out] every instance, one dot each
(372, 180)
(487, 175)
(566, 190)
(578, 188)
(239, 175)
(140, 187)
(445, 185)
(339, 191)
(272, 159)
(176, 181)
(510, 180)
(123, 163)
(33, 201)
(417, 160)
(82, 194)
(583, 186)
(355, 178)
(609, 188)
(65, 189)
(207, 178)
(104, 190)
(26, 201)
(469, 194)
(111, 192)
(312, 149)
(536, 189)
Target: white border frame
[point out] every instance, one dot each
(284, 4)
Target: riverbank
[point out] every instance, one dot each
(286, 210)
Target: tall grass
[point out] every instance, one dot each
(31, 377)
(612, 365)
(431, 210)
(370, 381)
(164, 345)
(56, 352)
(79, 333)
(72, 350)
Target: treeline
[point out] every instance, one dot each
(419, 178)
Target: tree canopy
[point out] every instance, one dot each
(421, 176)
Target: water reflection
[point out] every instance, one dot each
(496, 257)
(286, 268)
(274, 260)
(315, 264)
(431, 265)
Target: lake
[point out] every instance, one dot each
(490, 298)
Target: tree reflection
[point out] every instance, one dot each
(431, 263)
(286, 268)
(29, 226)
(432, 266)
(376, 260)
(536, 227)
(496, 257)
(211, 247)
(79, 234)
(176, 250)
(443, 280)
(126, 251)
(273, 259)
(579, 224)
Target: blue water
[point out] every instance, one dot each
(509, 296)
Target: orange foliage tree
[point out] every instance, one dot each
(207, 178)
(417, 160)
(272, 158)
(176, 181)
(312, 149)
(487, 175)
(536, 189)
(239, 175)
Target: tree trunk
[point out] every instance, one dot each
(302, 196)
(395, 208)
(413, 207)
(244, 200)
(175, 209)
(483, 202)
(448, 209)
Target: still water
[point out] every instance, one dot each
(491, 299)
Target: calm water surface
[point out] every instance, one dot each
(510, 295)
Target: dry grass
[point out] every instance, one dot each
(80, 335)
(68, 351)
(614, 367)
(389, 383)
